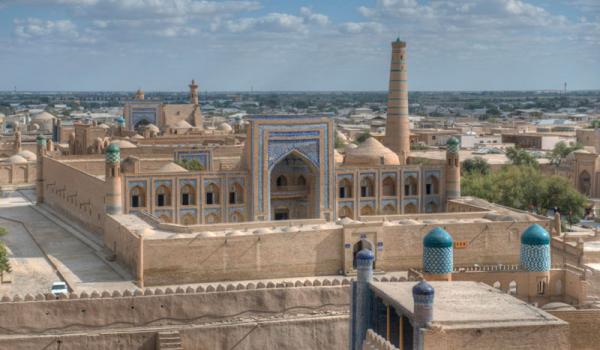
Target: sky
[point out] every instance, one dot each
(318, 45)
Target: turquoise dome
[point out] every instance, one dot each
(113, 148)
(535, 235)
(453, 141)
(437, 238)
(120, 120)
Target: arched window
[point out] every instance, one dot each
(301, 181)
(345, 212)
(410, 208)
(345, 189)
(165, 218)
(366, 187)
(188, 219)
(236, 194)
(281, 181)
(137, 196)
(211, 219)
(389, 186)
(212, 194)
(236, 217)
(366, 210)
(432, 185)
(389, 209)
(431, 207)
(188, 195)
(411, 186)
(163, 196)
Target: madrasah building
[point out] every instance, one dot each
(273, 199)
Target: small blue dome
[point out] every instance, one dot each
(365, 254)
(453, 141)
(113, 148)
(437, 238)
(423, 288)
(120, 119)
(535, 235)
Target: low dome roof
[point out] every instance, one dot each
(437, 238)
(104, 126)
(16, 159)
(350, 146)
(555, 306)
(172, 168)
(27, 155)
(535, 235)
(43, 116)
(371, 152)
(137, 137)
(182, 124)
(225, 127)
(152, 127)
(423, 288)
(123, 144)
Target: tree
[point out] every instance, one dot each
(190, 164)
(338, 142)
(475, 165)
(363, 137)
(526, 188)
(519, 156)
(561, 150)
(4, 262)
(595, 124)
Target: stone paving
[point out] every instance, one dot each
(77, 263)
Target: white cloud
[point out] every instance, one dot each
(361, 27)
(272, 22)
(32, 28)
(313, 17)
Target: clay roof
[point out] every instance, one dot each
(171, 168)
(16, 159)
(124, 144)
(27, 155)
(371, 152)
(42, 116)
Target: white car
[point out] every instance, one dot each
(59, 288)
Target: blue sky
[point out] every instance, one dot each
(297, 45)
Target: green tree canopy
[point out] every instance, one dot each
(190, 164)
(525, 188)
(4, 262)
(561, 151)
(519, 156)
(363, 137)
(476, 165)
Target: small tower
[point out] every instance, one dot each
(193, 92)
(361, 299)
(18, 142)
(397, 128)
(438, 255)
(452, 169)
(39, 184)
(120, 124)
(139, 95)
(535, 260)
(423, 294)
(113, 203)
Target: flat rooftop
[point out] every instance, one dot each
(460, 305)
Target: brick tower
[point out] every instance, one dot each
(113, 202)
(397, 130)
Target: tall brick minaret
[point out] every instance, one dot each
(397, 130)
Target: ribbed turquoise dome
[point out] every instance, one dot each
(535, 235)
(120, 119)
(113, 148)
(437, 238)
(453, 141)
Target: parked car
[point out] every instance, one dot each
(59, 288)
